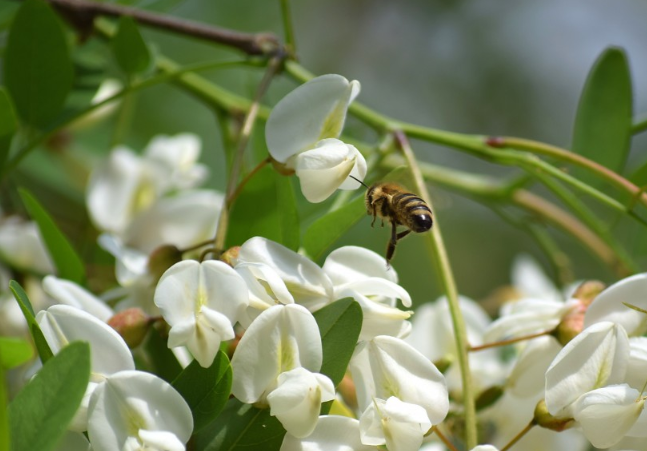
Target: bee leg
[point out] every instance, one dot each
(374, 215)
(403, 234)
(390, 250)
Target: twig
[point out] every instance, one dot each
(82, 13)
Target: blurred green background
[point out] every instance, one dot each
(485, 67)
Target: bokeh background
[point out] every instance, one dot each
(485, 67)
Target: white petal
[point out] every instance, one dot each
(608, 413)
(183, 220)
(117, 189)
(280, 339)
(161, 440)
(131, 401)
(332, 433)
(324, 169)
(21, 246)
(398, 424)
(637, 368)
(130, 265)
(485, 448)
(358, 171)
(529, 278)
(527, 317)
(598, 356)
(62, 324)
(350, 263)
(178, 156)
(387, 366)
(608, 305)
(315, 110)
(297, 399)
(375, 286)
(528, 375)
(265, 284)
(306, 281)
(69, 293)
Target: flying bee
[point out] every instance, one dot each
(392, 202)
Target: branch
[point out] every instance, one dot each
(81, 13)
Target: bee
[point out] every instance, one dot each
(392, 202)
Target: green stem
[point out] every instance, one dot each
(245, 133)
(286, 15)
(438, 252)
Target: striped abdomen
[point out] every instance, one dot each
(411, 211)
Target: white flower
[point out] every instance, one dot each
(608, 305)
(399, 425)
(387, 366)
(135, 410)
(608, 413)
(69, 293)
(201, 302)
(332, 433)
(281, 339)
(596, 357)
(362, 274)
(325, 168)
(313, 111)
(301, 133)
(306, 282)
(296, 401)
(62, 324)
(128, 184)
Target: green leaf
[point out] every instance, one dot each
(66, 260)
(339, 326)
(37, 65)
(266, 207)
(129, 47)
(206, 390)
(602, 129)
(8, 126)
(42, 410)
(241, 427)
(161, 359)
(28, 312)
(323, 233)
(14, 352)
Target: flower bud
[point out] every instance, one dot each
(544, 419)
(230, 256)
(573, 323)
(162, 259)
(588, 291)
(132, 324)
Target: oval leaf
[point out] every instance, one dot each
(44, 351)
(129, 47)
(8, 125)
(603, 123)
(37, 67)
(42, 410)
(65, 258)
(206, 390)
(241, 427)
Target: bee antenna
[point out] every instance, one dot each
(358, 180)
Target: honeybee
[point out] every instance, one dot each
(392, 202)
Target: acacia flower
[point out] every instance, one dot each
(301, 136)
(387, 366)
(399, 425)
(62, 324)
(276, 363)
(201, 302)
(134, 410)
